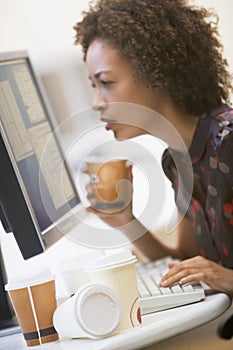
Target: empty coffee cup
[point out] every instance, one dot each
(117, 271)
(72, 270)
(34, 302)
(94, 311)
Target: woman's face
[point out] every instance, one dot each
(112, 77)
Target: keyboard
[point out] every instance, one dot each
(154, 298)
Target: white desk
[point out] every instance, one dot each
(156, 328)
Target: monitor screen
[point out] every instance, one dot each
(36, 190)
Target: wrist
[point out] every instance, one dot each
(133, 229)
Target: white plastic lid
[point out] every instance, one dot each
(98, 309)
(112, 260)
(36, 277)
(79, 261)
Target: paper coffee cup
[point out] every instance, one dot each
(73, 273)
(34, 301)
(117, 271)
(93, 312)
(112, 188)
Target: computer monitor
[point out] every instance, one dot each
(37, 194)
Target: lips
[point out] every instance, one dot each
(108, 126)
(109, 123)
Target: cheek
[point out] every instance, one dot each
(127, 92)
(134, 93)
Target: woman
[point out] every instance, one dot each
(166, 56)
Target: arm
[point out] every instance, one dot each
(216, 275)
(145, 243)
(151, 247)
(192, 267)
(147, 246)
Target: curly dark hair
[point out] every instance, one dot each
(172, 46)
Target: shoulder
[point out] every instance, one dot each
(221, 128)
(222, 146)
(225, 124)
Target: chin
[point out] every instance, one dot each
(122, 136)
(127, 133)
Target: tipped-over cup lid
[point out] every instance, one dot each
(99, 310)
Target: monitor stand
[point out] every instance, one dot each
(8, 320)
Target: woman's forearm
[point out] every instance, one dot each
(149, 247)
(145, 244)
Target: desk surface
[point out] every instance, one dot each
(155, 328)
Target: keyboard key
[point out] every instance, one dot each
(187, 288)
(143, 291)
(150, 285)
(165, 291)
(156, 278)
(176, 288)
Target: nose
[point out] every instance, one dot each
(98, 104)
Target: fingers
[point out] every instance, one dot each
(184, 276)
(172, 264)
(91, 189)
(200, 269)
(85, 170)
(195, 277)
(129, 167)
(91, 194)
(187, 271)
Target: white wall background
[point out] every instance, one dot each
(45, 29)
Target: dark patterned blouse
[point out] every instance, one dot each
(211, 208)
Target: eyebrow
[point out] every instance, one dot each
(96, 75)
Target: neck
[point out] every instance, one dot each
(184, 123)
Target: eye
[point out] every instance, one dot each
(105, 82)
